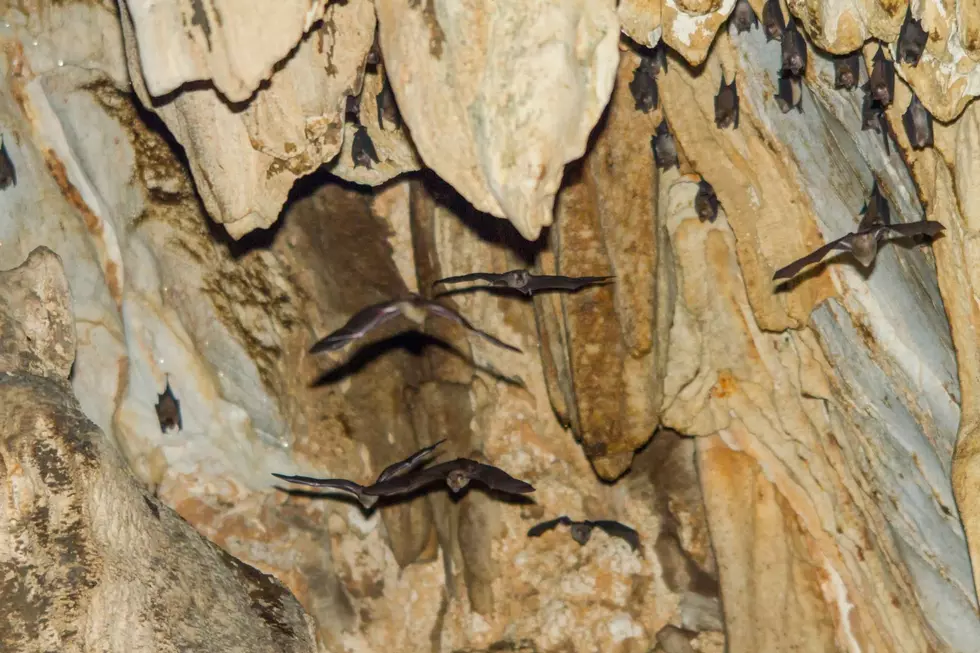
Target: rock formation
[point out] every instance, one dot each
(801, 461)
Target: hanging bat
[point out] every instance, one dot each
(374, 54)
(367, 500)
(527, 283)
(659, 56)
(168, 410)
(726, 105)
(882, 81)
(918, 124)
(706, 202)
(413, 307)
(352, 110)
(743, 17)
(8, 176)
(793, 50)
(863, 243)
(790, 94)
(362, 149)
(876, 212)
(581, 531)
(664, 147)
(911, 39)
(773, 23)
(873, 117)
(644, 86)
(847, 70)
(457, 474)
(387, 108)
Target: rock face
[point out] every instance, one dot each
(801, 462)
(91, 560)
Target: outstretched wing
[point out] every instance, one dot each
(929, 228)
(358, 326)
(496, 478)
(409, 482)
(558, 282)
(615, 529)
(446, 312)
(546, 526)
(407, 465)
(334, 483)
(791, 270)
(475, 276)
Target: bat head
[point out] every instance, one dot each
(846, 72)
(743, 17)
(457, 480)
(517, 279)
(581, 533)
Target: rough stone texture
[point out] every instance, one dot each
(89, 560)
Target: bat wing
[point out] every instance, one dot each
(923, 227)
(333, 483)
(496, 478)
(475, 276)
(409, 482)
(791, 270)
(407, 465)
(615, 529)
(446, 312)
(558, 282)
(546, 526)
(358, 326)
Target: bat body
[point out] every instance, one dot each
(525, 282)
(876, 212)
(911, 40)
(873, 117)
(352, 110)
(918, 124)
(726, 105)
(706, 202)
(882, 81)
(664, 147)
(644, 85)
(793, 50)
(847, 71)
(8, 176)
(581, 531)
(367, 500)
(168, 410)
(362, 149)
(773, 23)
(374, 54)
(413, 307)
(659, 56)
(743, 17)
(387, 109)
(790, 94)
(457, 474)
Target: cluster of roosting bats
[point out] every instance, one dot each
(875, 224)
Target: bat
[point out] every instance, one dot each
(882, 81)
(8, 176)
(373, 57)
(918, 124)
(773, 23)
(168, 410)
(659, 56)
(362, 149)
(790, 94)
(457, 474)
(387, 108)
(873, 117)
(793, 50)
(367, 500)
(527, 283)
(847, 70)
(581, 531)
(911, 39)
(412, 307)
(664, 147)
(743, 17)
(726, 105)
(644, 85)
(706, 202)
(352, 110)
(876, 212)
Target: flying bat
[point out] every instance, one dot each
(367, 500)
(644, 85)
(918, 124)
(911, 39)
(581, 531)
(726, 105)
(773, 23)
(743, 17)
(847, 70)
(457, 474)
(664, 147)
(793, 50)
(882, 81)
(413, 307)
(362, 149)
(873, 117)
(8, 176)
(387, 108)
(790, 93)
(706, 202)
(525, 282)
(168, 410)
